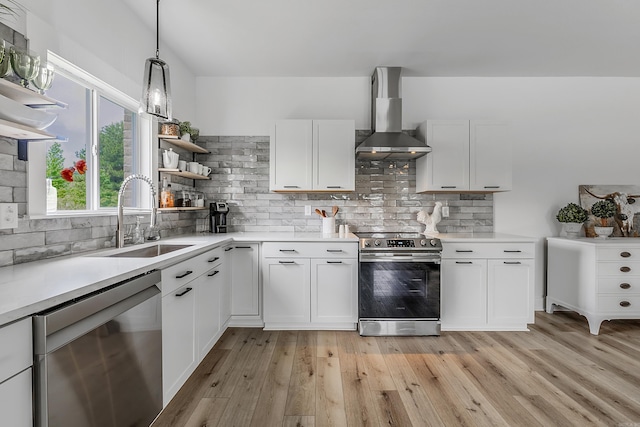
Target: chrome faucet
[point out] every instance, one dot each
(119, 224)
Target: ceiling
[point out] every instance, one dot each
(340, 38)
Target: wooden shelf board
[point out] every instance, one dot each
(26, 96)
(182, 209)
(181, 173)
(190, 146)
(18, 131)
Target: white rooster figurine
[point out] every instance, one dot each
(430, 221)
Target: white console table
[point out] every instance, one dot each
(597, 278)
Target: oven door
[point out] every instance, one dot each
(399, 286)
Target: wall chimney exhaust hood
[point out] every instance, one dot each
(388, 141)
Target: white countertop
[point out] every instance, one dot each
(32, 287)
(600, 241)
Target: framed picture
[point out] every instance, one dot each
(626, 222)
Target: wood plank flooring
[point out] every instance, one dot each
(557, 374)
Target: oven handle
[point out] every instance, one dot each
(425, 260)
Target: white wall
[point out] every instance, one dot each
(107, 40)
(566, 131)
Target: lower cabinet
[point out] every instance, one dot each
(310, 285)
(16, 360)
(243, 260)
(487, 286)
(195, 310)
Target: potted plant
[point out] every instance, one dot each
(572, 216)
(185, 131)
(603, 209)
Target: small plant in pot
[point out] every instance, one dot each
(572, 216)
(603, 209)
(185, 131)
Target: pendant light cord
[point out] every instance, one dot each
(157, 29)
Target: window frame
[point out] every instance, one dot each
(144, 159)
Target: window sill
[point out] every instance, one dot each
(66, 214)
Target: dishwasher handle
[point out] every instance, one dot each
(64, 323)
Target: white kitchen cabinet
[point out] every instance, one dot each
(597, 278)
(209, 291)
(466, 156)
(312, 155)
(464, 293)
(487, 285)
(287, 290)
(244, 277)
(191, 319)
(179, 339)
(16, 357)
(310, 285)
(334, 291)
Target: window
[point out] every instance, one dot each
(101, 140)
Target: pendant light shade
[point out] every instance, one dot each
(156, 85)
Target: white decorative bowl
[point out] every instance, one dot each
(603, 232)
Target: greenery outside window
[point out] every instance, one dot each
(102, 139)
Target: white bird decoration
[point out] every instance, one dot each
(430, 221)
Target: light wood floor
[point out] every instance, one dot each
(555, 375)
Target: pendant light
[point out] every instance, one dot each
(156, 87)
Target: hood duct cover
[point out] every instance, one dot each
(388, 141)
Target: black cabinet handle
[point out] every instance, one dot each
(625, 285)
(214, 259)
(228, 249)
(287, 262)
(334, 262)
(185, 274)
(333, 186)
(291, 186)
(512, 252)
(184, 292)
(464, 262)
(491, 186)
(448, 186)
(243, 247)
(625, 254)
(512, 262)
(625, 269)
(334, 250)
(287, 250)
(625, 304)
(463, 251)
(214, 273)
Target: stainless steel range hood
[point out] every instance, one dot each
(388, 141)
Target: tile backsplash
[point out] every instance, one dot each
(384, 199)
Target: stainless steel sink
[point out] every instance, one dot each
(148, 251)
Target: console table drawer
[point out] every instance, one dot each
(619, 285)
(620, 269)
(619, 304)
(618, 254)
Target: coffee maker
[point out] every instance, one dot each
(218, 217)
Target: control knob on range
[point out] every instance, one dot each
(433, 242)
(377, 242)
(423, 242)
(367, 243)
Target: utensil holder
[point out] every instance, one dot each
(328, 225)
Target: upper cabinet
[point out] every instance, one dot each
(312, 155)
(466, 156)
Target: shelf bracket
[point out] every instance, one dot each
(23, 145)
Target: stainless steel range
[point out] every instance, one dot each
(399, 284)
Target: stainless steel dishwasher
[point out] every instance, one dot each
(98, 359)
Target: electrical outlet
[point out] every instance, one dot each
(8, 215)
(445, 211)
(307, 210)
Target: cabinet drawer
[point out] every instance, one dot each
(620, 269)
(618, 254)
(488, 250)
(310, 250)
(182, 273)
(619, 305)
(619, 285)
(16, 348)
